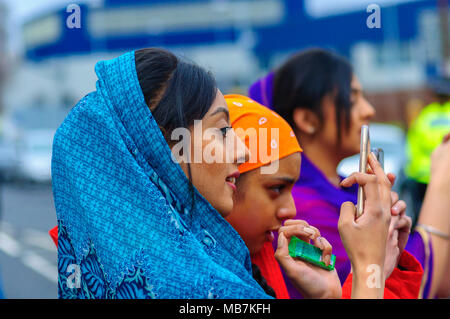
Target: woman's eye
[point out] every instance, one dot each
(225, 130)
(277, 189)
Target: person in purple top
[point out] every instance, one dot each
(318, 94)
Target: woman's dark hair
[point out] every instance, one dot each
(259, 278)
(176, 91)
(306, 78)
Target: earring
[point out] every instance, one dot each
(311, 130)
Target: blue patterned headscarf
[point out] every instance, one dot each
(126, 225)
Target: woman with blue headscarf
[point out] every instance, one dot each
(130, 222)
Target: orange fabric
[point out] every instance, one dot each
(270, 270)
(401, 284)
(54, 235)
(266, 134)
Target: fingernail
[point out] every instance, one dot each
(281, 240)
(327, 260)
(374, 156)
(320, 243)
(309, 230)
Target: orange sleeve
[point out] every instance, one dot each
(403, 283)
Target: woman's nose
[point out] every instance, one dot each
(368, 111)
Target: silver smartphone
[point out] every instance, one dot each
(363, 153)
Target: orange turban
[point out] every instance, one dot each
(266, 134)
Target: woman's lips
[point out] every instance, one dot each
(231, 184)
(231, 180)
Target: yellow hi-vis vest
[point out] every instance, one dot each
(424, 135)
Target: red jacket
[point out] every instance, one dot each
(401, 284)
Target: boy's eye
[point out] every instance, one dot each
(277, 189)
(225, 130)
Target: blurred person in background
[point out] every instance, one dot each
(433, 220)
(424, 135)
(319, 95)
(1, 283)
(1, 205)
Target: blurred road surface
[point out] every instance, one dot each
(28, 265)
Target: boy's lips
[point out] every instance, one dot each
(270, 236)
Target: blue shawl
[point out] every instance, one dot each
(126, 225)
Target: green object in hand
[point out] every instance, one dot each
(309, 253)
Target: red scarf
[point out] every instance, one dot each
(270, 270)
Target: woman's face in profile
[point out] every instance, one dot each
(264, 201)
(215, 154)
(361, 113)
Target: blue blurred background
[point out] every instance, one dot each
(47, 64)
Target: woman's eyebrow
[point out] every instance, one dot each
(221, 109)
(286, 179)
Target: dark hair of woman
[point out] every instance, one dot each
(256, 273)
(176, 91)
(309, 76)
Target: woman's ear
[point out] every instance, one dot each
(305, 121)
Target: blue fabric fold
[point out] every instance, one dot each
(127, 224)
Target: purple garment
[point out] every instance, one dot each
(318, 202)
(261, 90)
(416, 246)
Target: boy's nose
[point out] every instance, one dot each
(287, 212)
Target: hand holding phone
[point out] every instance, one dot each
(309, 280)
